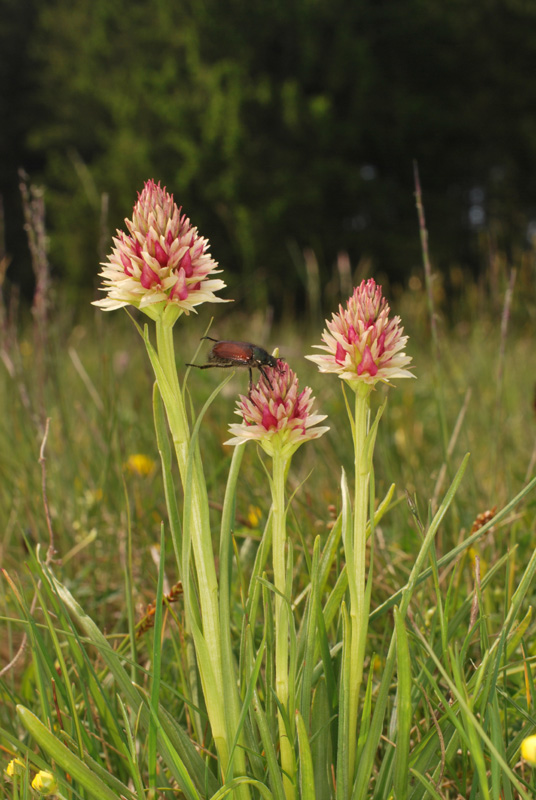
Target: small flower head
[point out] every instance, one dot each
(361, 343)
(254, 516)
(276, 414)
(140, 464)
(15, 767)
(162, 264)
(528, 750)
(45, 783)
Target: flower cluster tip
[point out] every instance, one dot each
(362, 344)
(162, 261)
(277, 414)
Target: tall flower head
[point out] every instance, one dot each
(277, 414)
(361, 343)
(162, 264)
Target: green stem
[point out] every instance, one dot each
(201, 545)
(282, 609)
(358, 610)
(232, 697)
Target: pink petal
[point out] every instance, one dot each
(186, 264)
(160, 254)
(340, 354)
(180, 290)
(352, 335)
(381, 343)
(148, 277)
(127, 264)
(367, 364)
(268, 419)
(198, 248)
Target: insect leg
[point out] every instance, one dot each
(210, 366)
(261, 368)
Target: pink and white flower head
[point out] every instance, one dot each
(278, 416)
(361, 343)
(162, 265)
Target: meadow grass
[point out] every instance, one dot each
(459, 696)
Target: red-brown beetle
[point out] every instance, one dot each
(226, 355)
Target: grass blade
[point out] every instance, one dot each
(403, 706)
(307, 783)
(67, 760)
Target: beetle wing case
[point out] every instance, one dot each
(234, 352)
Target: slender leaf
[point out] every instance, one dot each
(403, 709)
(67, 760)
(307, 782)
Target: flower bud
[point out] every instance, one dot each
(15, 767)
(45, 783)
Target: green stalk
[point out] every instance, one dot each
(357, 580)
(201, 540)
(232, 698)
(282, 610)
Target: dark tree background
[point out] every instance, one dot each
(278, 126)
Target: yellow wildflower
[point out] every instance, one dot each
(140, 464)
(45, 783)
(15, 767)
(528, 749)
(254, 516)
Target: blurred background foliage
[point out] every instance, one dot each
(287, 130)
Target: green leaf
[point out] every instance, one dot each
(307, 783)
(156, 667)
(263, 790)
(456, 551)
(274, 771)
(403, 709)
(427, 785)
(65, 758)
(174, 746)
(162, 439)
(321, 743)
(310, 639)
(343, 755)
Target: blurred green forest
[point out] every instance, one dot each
(282, 128)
